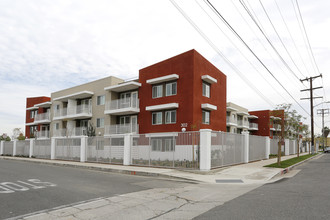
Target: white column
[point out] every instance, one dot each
(267, 147)
(31, 147)
(127, 149)
(287, 147)
(14, 147)
(205, 149)
(246, 146)
(53, 148)
(1, 147)
(83, 148)
(300, 145)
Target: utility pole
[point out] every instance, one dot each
(323, 112)
(310, 79)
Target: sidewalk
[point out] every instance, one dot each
(249, 173)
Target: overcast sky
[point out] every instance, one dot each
(48, 45)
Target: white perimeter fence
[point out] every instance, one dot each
(204, 149)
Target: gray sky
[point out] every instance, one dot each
(48, 45)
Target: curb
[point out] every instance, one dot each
(286, 170)
(103, 169)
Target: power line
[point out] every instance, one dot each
(228, 38)
(246, 80)
(237, 35)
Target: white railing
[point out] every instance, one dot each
(43, 134)
(42, 117)
(230, 120)
(253, 126)
(73, 111)
(241, 122)
(77, 131)
(122, 103)
(121, 129)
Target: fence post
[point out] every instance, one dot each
(1, 147)
(127, 149)
(14, 147)
(294, 147)
(287, 147)
(246, 146)
(52, 148)
(83, 147)
(205, 149)
(31, 147)
(267, 147)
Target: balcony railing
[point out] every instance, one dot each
(121, 129)
(73, 132)
(43, 134)
(231, 120)
(277, 127)
(242, 123)
(122, 106)
(74, 112)
(42, 117)
(253, 126)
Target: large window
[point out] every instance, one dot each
(101, 100)
(156, 144)
(163, 144)
(170, 117)
(157, 91)
(171, 89)
(33, 113)
(206, 89)
(206, 117)
(157, 118)
(100, 122)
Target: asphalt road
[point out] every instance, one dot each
(29, 187)
(304, 196)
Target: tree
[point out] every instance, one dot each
(16, 133)
(4, 137)
(325, 133)
(21, 137)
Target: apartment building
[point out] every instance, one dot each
(239, 120)
(83, 109)
(269, 122)
(37, 117)
(185, 92)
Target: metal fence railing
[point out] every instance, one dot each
(175, 150)
(226, 149)
(8, 148)
(41, 149)
(23, 148)
(105, 150)
(257, 148)
(67, 149)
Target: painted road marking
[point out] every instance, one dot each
(21, 186)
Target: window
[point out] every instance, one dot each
(99, 144)
(156, 144)
(101, 100)
(157, 91)
(33, 113)
(157, 118)
(57, 126)
(170, 117)
(169, 145)
(33, 129)
(206, 89)
(100, 122)
(171, 89)
(206, 117)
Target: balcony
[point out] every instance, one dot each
(253, 126)
(126, 106)
(73, 132)
(277, 127)
(42, 118)
(42, 134)
(231, 121)
(77, 112)
(242, 123)
(121, 129)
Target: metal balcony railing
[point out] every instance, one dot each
(253, 126)
(122, 103)
(121, 129)
(43, 134)
(42, 117)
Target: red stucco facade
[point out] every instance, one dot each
(30, 102)
(190, 66)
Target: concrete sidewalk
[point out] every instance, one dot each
(249, 173)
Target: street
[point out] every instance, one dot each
(304, 196)
(30, 187)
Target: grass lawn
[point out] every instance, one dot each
(290, 162)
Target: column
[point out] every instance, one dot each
(246, 146)
(267, 147)
(205, 149)
(127, 149)
(1, 147)
(14, 147)
(31, 147)
(287, 147)
(53, 148)
(83, 147)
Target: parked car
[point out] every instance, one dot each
(327, 150)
